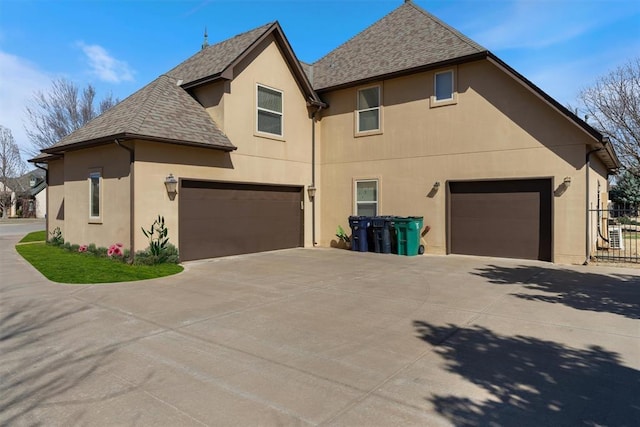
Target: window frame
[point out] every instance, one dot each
(95, 173)
(280, 113)
(435, 102)
(358, 110)
(357, 203)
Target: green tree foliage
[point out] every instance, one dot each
(626, 190)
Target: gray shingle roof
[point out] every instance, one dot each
(162, 110)
(214, 59)
(407, 38)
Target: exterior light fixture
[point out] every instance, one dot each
(567, 181)
(172, 186)
(311, 190)
(436, 185)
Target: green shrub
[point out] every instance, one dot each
(92, 248)
(56, 237)
(168, 256)
(74, 248)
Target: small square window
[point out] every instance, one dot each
(367, 197)
(444, 86)
(269, 114)
(368, 109)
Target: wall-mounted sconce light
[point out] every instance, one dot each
(436, 185)
(434, 190)
(172, 186)
(311, 190)
(567, 181)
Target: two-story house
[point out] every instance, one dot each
(409, 117)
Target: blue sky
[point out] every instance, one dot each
(119, 46)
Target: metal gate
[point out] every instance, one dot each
(616, 235)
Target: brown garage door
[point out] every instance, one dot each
(509, 219)
(220, 219)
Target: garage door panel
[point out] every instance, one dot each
(220, 219)
(501, 218)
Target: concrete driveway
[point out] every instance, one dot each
(324, 337)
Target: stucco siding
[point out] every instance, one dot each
(497, 129)
(259, 158)
(113, 226)
(55, 196)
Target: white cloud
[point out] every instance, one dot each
(105, 66)
(19, 79)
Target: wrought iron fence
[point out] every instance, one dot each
(616, 235)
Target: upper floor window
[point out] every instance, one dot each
(444, 86)
(368, 114)
(269, 111)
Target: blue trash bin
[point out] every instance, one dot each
(382, 226)
(359, 227)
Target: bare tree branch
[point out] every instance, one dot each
(55, 114)
(613, 103)
(10, 167)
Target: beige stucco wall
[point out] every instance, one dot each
(55, 196)
(497, 129)
(258, 159)
(115, 201)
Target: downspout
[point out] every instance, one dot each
(587, 216)
(132, 158)
(313, 173)
(46, 208)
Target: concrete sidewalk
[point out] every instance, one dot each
(324, 337)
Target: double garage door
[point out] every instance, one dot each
(220, 219)
(509, 219)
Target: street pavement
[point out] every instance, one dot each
(324, 337)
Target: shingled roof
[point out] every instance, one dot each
(213, 60)
(160, 111)
(406, 39)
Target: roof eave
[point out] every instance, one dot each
(205, 80)
(129, 136)
(426, 67)
(613, 162)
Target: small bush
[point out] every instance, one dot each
(628, 221)
(56, 237)
(74, 248)
(101, 251)
(92, 248)
(168, 256)
(67, 246)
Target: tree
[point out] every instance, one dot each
(613, 102)
(63, 109)
(626, 191)
(10, 166)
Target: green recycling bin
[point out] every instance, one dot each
(408, 229)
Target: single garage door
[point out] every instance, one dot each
(509, 219)
(221, 219)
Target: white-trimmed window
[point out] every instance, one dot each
(366, 193)
(443, 84)
(269, 114)
(368, 109)
(95, 195)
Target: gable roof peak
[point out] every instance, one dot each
(406, 38)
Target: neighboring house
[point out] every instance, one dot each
(409, 117)
(28, 200)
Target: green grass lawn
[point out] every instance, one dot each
(62, 266)
(36, 236)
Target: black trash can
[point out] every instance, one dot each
(359, 227)
(382, 226)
